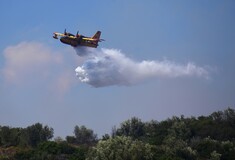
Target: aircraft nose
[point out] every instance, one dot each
(55, 37)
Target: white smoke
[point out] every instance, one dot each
(107, 67)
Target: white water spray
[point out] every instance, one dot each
(107, 67)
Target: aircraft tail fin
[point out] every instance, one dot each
(97, 35)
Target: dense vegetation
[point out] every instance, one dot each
(205, 137)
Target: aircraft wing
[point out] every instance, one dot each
(72, 37)
(56, 35)
(59, 34)
(91, 39)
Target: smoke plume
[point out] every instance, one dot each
(107, 67)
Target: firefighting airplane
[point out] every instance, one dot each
(78, 39)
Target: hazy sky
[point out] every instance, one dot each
(38, 81)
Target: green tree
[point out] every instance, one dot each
(156, 132)
(179, 130)
(219, 125)
(175, 144)
(50, 150)
(9, 136)
(215, 156)
(133, 128)
(84, 135)
(121, 147)
(71, 139)
(58, 139)
(38, 133)
(175, 148)
(105, 137)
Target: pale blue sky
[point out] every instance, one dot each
(46, 90)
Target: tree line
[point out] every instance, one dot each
(177, 138)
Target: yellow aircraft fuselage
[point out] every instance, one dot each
(79, 40)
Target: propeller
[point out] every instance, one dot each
(65, 31)
(77, 34)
